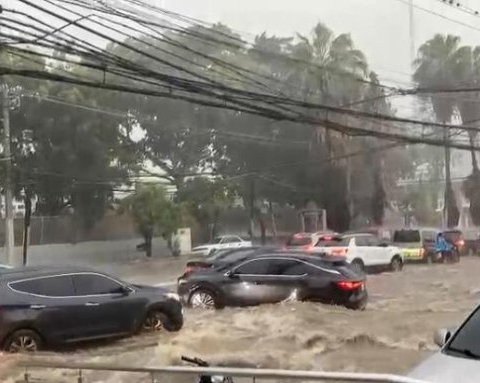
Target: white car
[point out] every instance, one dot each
(362, 251)
(459, 357)
(5, 267)
(220, 243)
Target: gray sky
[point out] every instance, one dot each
(379, 27)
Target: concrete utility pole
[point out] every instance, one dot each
(9, 229)
(412, 32)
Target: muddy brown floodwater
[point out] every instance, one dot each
(392, 335)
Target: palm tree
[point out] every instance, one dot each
(469, 108)
(441, 64)
(325, 70)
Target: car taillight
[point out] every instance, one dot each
(190, 269)
(422, 252)
(308, 248)
(349, 285)
(339, 252)
(461, 242)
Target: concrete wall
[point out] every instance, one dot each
(93, 254)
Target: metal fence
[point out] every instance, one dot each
(159, 374)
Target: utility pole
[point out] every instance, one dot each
(412, 31)
(9, 233)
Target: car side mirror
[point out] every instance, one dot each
(125, 290)
(230, 274)
(441, 336)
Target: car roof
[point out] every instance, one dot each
(358, 234)
(39, 271)
(299, 255)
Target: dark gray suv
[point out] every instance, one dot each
(51, 306)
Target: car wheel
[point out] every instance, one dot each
(357, 265)
(23, 341)
(396, 264)
(155, 321)
(357, 306)
(203, 299)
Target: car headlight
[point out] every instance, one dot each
(174, 296)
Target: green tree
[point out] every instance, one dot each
(206, 199)
(441, 63)
(152, 211)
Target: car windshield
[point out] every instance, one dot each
(467, 340)
(406, 236)
(216, 240)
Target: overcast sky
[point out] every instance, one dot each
(379, 27)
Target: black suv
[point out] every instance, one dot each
(273, 277)
(51, 306)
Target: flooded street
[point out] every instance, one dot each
(392, 335)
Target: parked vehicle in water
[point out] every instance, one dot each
(220, 243)
(306, 241)
(363, 251)
(456, 238)
(272, 277)
(471, 237)
(47, 306)
(416, 244)
(459, 357)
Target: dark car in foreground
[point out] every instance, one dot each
(51, 306)
(271, 277)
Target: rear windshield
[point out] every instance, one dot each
(406, 236)
(333, 242)
(453, 235)
(298, 240)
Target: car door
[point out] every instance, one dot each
(52, 309)
(106, 308)
(364, 251)
(380, 254)
(252, 285)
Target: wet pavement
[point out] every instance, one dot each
(392, 335)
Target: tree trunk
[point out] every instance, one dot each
(26, 226)
(263, 230)
(252, 208)
(273, 220)
(473, 153)
(148, 245)
(451, 211)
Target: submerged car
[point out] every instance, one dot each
(46, 307)
(272, 277)
(459, 357)
(220, 243)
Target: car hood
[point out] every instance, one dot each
(442, 368)
(146, 288)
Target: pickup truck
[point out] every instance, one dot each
(221, 243)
